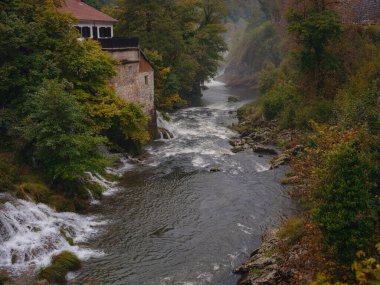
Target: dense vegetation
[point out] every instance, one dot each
(183, 39)
(327, 86)
(56, 105)
(98, 4)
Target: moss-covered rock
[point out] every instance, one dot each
(66, 237)
(233, 99)
(61, 264)
(61, 204)
(37, 191)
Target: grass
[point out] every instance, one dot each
(292, 231)
(255, 271)
(61, 264)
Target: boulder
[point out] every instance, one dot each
(261, 149)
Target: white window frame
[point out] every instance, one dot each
(98, 26)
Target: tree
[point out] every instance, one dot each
(64, 145)
(185, 34)
(346, 203)
(315, 29)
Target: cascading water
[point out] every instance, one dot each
(164, 127)
(192, 209)
(31, 233)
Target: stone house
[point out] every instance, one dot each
(134, 81)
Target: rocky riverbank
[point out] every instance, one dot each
(264, 266)
(265, 138)
(269, 263)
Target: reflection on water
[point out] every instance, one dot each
(173, 221)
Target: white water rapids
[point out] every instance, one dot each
(31, 233)
(187, 214)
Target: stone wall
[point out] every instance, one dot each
(134, 81)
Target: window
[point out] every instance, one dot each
(86, 32)
(146, 79)
(105, 32)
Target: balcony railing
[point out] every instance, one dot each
(119, 43)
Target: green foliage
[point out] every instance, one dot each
(358, 102)
(61, 264)
(346, 204)
(8, 176)
(55, 97)
(194, 26)
(99, 3)
(63, 143)
(315, 30)
(281, 101)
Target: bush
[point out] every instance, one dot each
(61, 264)
(358, 102)
(320, 111)
(346, 203)
(282, 98)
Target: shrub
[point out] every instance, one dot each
(358, 102)
(320, 111)
(282, 98)
(60, 266)
(346, 204)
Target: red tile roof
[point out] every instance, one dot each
(84, 12)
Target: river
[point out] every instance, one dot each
(171, 220)
(175, 222)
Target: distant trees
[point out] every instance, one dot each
(315, 28)
(185, 35)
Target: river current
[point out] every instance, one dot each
(173, 221)
(186, 215)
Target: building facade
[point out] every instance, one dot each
(134, 81)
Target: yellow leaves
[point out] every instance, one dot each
(367, 270)
(163, 73)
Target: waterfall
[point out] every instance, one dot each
(31, 233)
(92, 199)
(110, 187)
(165, 129)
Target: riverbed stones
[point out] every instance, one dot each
(262, 149)
(263, 267)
